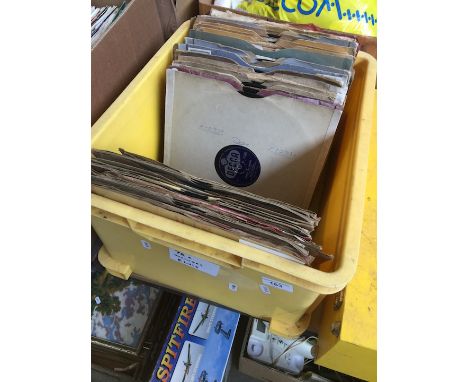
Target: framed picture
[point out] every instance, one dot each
(121, 311)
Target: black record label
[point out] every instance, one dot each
(237, 166)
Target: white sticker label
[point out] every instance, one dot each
(198, 50)
(97, 299)
(278, 284)
(233, 287)
(145, 244)
(194, 262)
(265, 289)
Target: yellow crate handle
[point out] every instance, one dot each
(219, 257)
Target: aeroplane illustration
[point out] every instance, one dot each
(204, 377)
(204, 316)
(187, 364)
(219, 329)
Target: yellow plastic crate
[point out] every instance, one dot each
(243, 278)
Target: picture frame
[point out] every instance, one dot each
(121, 312)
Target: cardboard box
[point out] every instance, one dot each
(185, 9)
(198, 345)
(126, 47)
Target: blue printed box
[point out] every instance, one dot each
(198, 344)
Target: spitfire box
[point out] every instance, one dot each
(198, 344)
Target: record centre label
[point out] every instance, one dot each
(237, 165)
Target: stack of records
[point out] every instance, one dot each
(255, 104)
(102, 18)
(263, 223)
